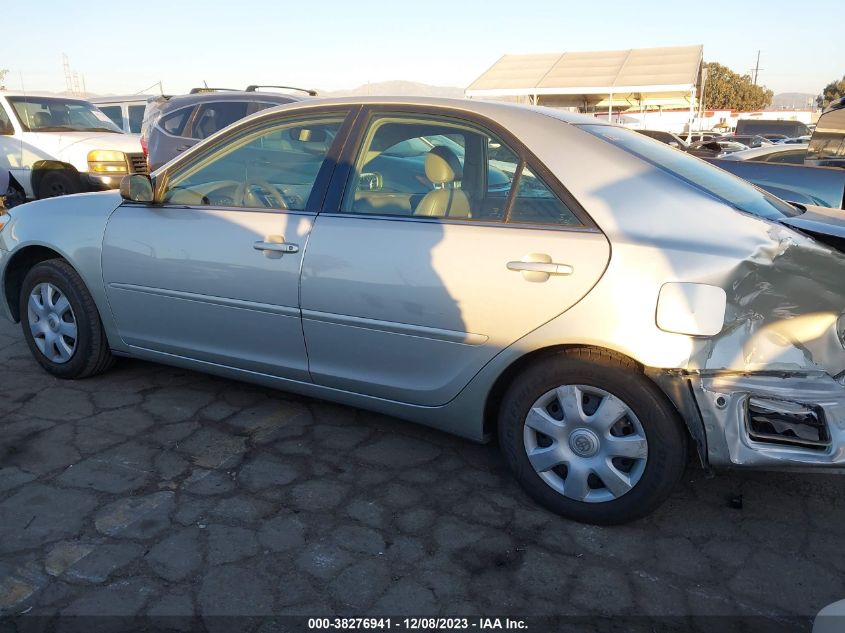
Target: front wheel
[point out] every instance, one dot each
(60, 322)
(591, 438)
(57, 183)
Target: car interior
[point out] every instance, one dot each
(275, 169)
(427, 168)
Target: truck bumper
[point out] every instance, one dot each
(90, 182)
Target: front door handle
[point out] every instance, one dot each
(549, 268)
(276, 247)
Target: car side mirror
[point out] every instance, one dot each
(136, 188)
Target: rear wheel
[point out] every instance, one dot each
(591, 438)
(60, 322)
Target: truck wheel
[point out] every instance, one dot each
(589, 437)
(57, 183)
(61, 323)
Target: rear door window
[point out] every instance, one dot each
(440, 167)
(113, 112)
(174, 123)
(213, 117)
(136, 118)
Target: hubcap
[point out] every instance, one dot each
(52, 323)
(585, 443)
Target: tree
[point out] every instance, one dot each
(726, 90)
(3, 73)
(832, 91)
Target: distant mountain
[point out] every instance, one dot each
(793, 100)
(395, 89)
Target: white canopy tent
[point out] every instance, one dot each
(637, 78)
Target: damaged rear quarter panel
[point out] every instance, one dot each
(783, 305)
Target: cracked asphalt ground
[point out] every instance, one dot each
(152, 490)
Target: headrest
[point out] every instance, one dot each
(42, 119)
(442, 166)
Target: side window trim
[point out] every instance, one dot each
(346, 166)
(321, 182)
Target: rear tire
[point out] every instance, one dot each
(613, 448)
(61, 323)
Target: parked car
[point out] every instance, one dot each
(770, 126)
(754, 140)
(796, 140)
(816, 181)
(791, 154)
(827, 145)
(673, 140)
(126, 112)
(821, 186)
(701, 136)
(715, 148)
(620, 299)
(174, 124)
(59, 145)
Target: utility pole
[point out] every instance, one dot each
(756, 68)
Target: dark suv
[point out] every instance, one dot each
(173, 124)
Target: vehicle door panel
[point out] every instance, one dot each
(189, 281)
(198, 274)
(416, 308)
(409, 307)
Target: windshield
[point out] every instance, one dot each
(718, 183)
(54, 114)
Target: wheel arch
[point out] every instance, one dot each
(674, 390)
(20, 263)
(42, 167)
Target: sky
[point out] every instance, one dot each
(125, 48)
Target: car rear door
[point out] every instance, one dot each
(409, 307)
(211, 272)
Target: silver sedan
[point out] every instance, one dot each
(590, 296)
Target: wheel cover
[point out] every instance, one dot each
(585, 443)
(52, 323)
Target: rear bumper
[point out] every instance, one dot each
(771, 421)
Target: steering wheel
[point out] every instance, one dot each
(248, 198)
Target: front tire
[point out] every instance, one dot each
(589, 437)
(57, 183)
(61, 323)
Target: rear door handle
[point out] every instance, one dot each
(550, 268)
(279, 247)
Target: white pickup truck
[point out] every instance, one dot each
(56, 145)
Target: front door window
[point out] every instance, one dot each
(272, 167)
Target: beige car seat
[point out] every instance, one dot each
(443, 169)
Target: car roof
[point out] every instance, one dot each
(178, 101)
(122, 98)
(40, 95)
(478, 106)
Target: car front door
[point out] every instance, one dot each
(211, 271)
(445, 246)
